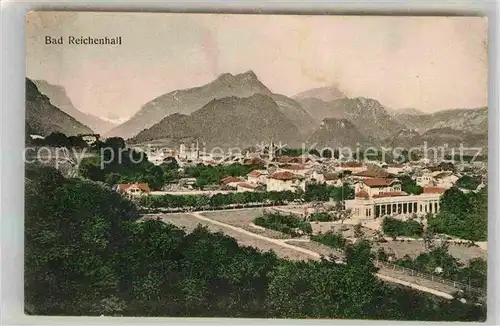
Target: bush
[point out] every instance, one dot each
(283, 223)
(320, 217)
(330, 239)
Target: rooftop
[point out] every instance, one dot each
(379, 182)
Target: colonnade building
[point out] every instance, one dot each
(376, 198)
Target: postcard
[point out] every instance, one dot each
(256, 166)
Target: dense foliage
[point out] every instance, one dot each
(475, 273)
(320, 217)
(464, 215)
(324, 192)
(331, 239)
(117, 164)
(287, 224)
(87, 255)
(220, 200)
(212, 175)
(468, 182)
(58, 139)
(409, 185)
(409, 228)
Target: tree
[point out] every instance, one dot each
(428, 237)
(57, 139)
(114, 143)
(468, 182)
(358, 232)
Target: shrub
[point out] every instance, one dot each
(393, 227)
(330, 239)
(320, 217)
(288, 224)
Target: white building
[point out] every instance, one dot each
(257, 176)
(285, 181)
(246, 187)
(426, 179)
(374, 198)
(377, 186)
(134, 190)
(232, 181)
(297, 169)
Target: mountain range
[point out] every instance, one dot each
(239, 110)
(187, 101)
(226, 122)
(367, 115)
(43, 118)
(58, 97)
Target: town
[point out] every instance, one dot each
(256, 166)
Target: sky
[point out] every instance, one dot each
(428, 63)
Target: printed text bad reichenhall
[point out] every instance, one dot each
(83, 40)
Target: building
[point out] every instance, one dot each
(298, 169)
(396, 169)
(257, 177)
(333, 180)
(90, 139)
(425, 179)
(246, 187)
(134, 189)
(285, 181)
(376, 186)
(231, 181)
(445, 179)
(371, 173)
(330, 179)
(354, 167)
(383, 197)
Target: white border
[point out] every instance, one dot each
(12, 134)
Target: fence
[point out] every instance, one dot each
(433, 278)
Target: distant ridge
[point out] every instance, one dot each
(58, 97)
(43, 118)
(326, 94)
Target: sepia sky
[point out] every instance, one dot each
(428, 63)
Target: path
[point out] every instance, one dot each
(386, 274)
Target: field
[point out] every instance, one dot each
(189, 222)
(243, 218)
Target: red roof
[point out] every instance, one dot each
(301, 159)
(247, 185)
(253, 161)
(283, 159)
(379, 182)
(373, 174)
(255, 173)
(330, 177)
(433, 190)
(284, 176)
(294, 167)
(143, 186)
(390, 194)
(227, 180)
(351, 165)
(362, 194)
